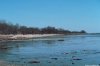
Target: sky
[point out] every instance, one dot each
(73, 15)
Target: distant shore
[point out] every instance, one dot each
(27, 36)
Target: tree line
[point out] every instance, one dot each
(8, 28)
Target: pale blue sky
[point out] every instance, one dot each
(67, 14)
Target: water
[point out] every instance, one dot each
(75, 50)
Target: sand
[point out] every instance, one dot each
(27, 36)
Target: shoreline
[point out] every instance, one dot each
(25, 37)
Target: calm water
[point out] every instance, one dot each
(75, 50)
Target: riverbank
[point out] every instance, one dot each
(27, 36)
